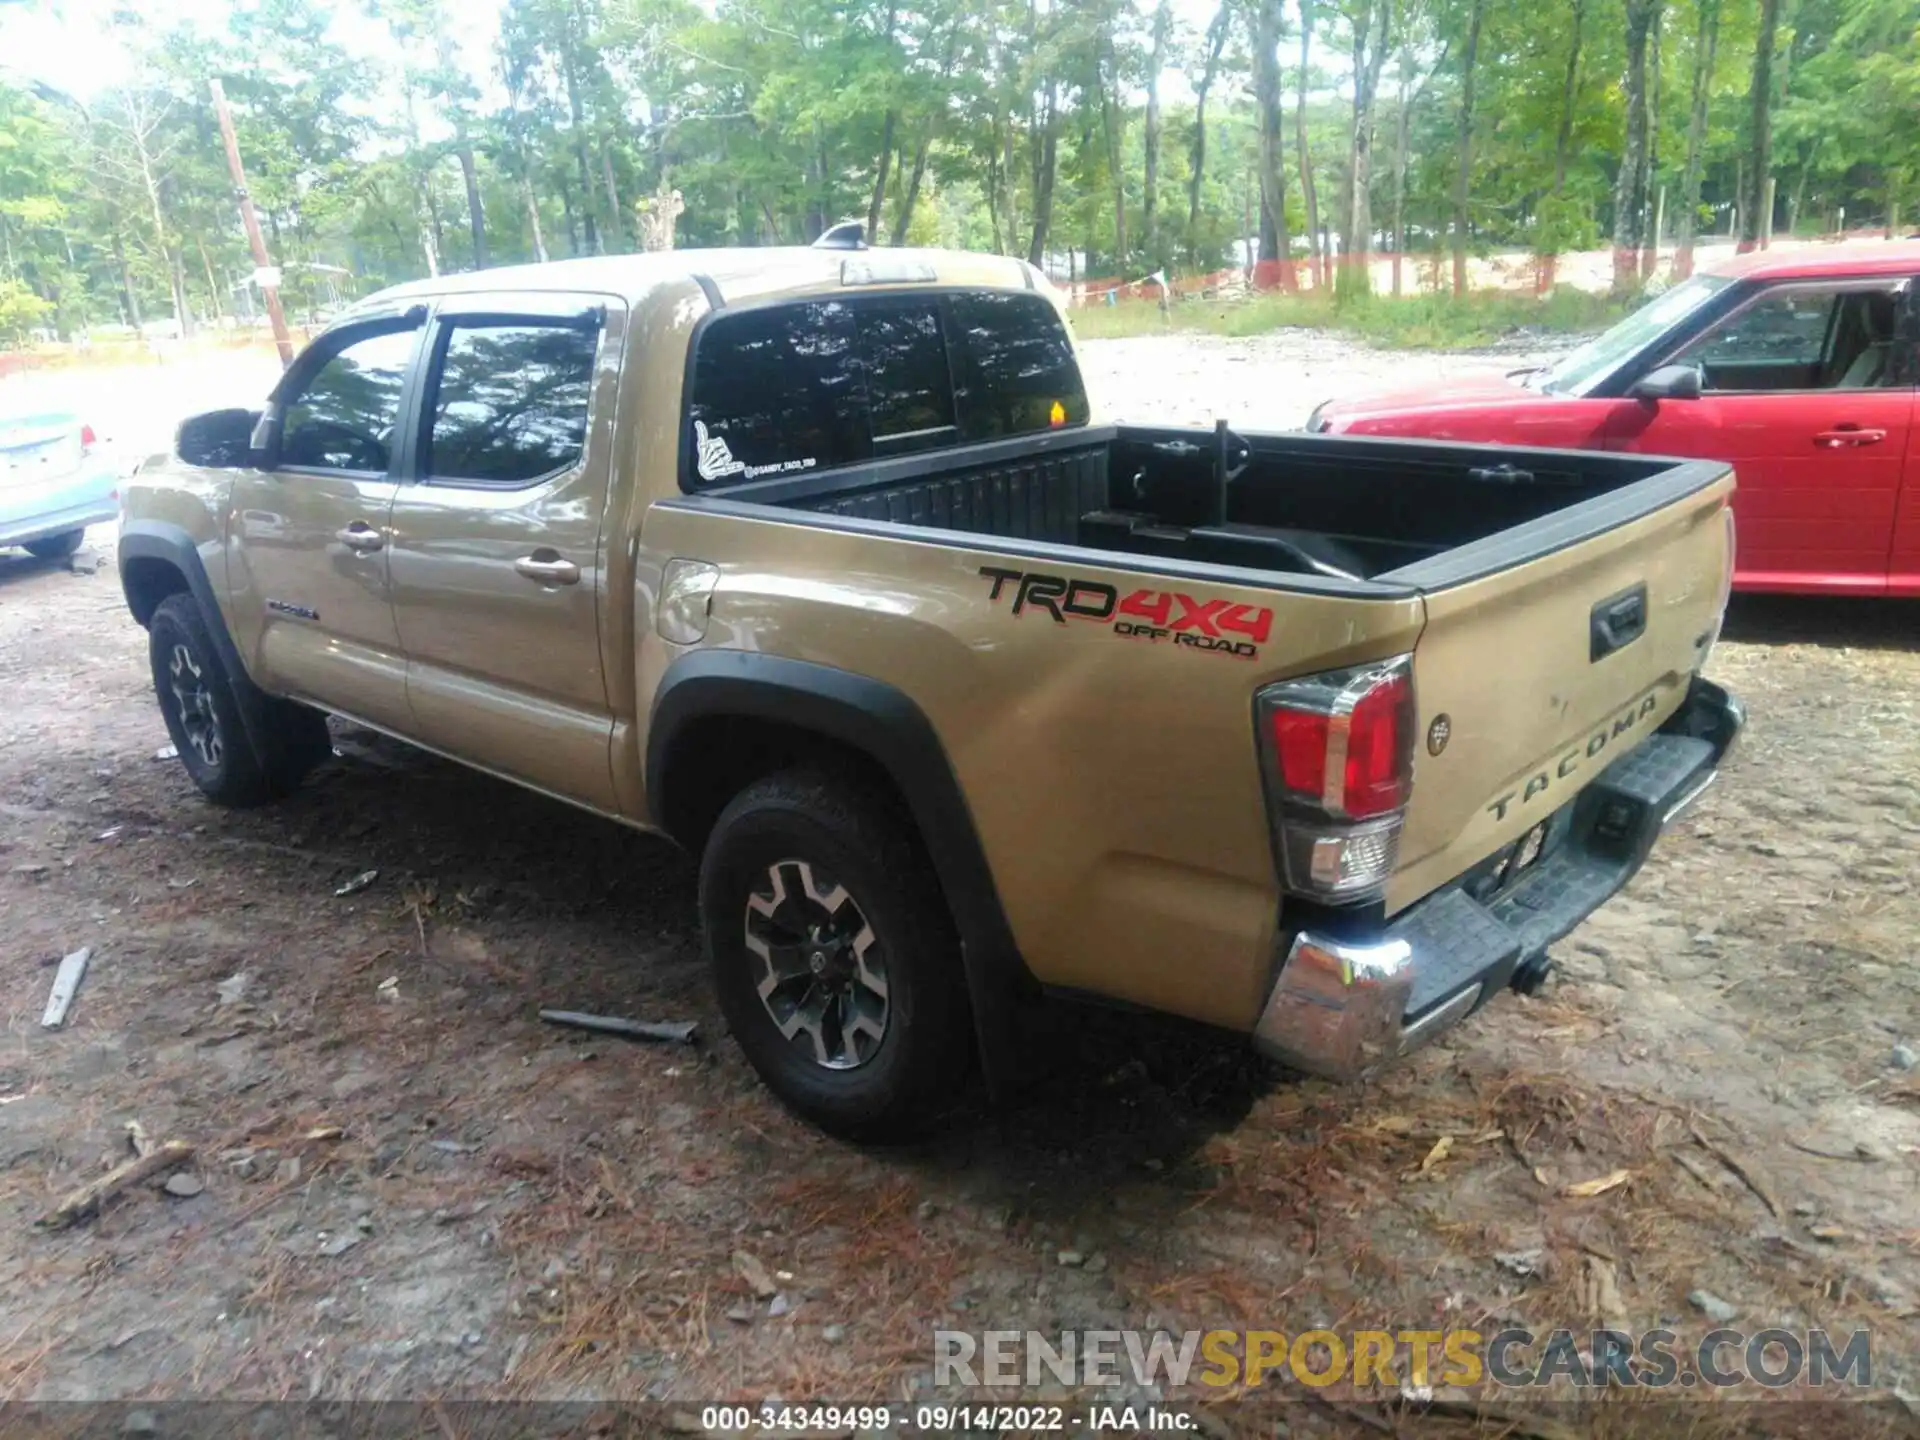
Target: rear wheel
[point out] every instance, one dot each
(201, 702)
(833, 955)
(56, 547)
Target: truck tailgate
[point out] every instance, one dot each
(1541, 665)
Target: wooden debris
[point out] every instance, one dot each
(674, 1032)
(1694, 1168)
(1745, 1169)
(89, 1197)
(66, 984)
(1587, 1189)
(755, 1274)
(1442, 1148)
(138, 1138)
(1600, 1288)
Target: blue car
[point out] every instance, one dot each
(55, 480)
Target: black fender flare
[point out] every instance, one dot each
(158, 540)
(884, 724)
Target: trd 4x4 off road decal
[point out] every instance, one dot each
(1222, 626)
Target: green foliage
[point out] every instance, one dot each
(1423, 322)
(1023, 121)
(20, 310)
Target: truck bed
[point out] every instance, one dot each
(1331, 508)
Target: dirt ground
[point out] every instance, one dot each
(408, 1187)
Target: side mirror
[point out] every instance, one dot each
(1669, 382)
(218, 439)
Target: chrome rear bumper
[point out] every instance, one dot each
(1340, 1008)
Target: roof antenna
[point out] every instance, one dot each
(847, 235)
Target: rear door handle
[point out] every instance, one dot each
(548, 567)
(361, 537)
(1842, 436)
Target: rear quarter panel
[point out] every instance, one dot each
(1113, 781)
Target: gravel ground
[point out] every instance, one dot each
(1269, 382)
(407, 1187)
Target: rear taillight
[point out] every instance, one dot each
(87, 438)
(1338, 751)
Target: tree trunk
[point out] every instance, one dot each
(476, 216)
(1706, 40)
(993, 189)
(1275, 244)
(126, 282)
(1401, 133)
(1375, 23)
(1569, 94)
(1650, 161)
(1463, 174)
(573, 223)
(1316, 257)
(1197, 166)
(1796, 202)
(1628, 202)
(882, 168)
(587, 225)
(825, 172)
(1113, 120)
(533, 218)
(1760, 134)
(163, 250)
(1046, 157)
(433, 214)
(1149, 206)
(904, 220)
(177, 271)
(206, 264)
(616, 217)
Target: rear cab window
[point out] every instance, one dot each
(801, 386)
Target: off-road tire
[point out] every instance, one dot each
(55, 547)
(851, 836)
(201, 704)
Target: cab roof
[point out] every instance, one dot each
(1823, 261)
(743, 273)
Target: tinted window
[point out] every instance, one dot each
(344, 416)
(1016, 370)
(823, 383)
(909, 387)
(511, 402)
(777, 390)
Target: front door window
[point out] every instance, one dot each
(1804, 338)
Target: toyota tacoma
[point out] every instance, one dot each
(820, 562)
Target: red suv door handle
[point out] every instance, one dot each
(1842, 435)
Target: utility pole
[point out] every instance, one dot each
(265, 270)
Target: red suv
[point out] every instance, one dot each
(1798, 366)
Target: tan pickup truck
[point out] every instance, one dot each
(817, 561)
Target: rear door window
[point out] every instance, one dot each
(509, 402)
(817, 384)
